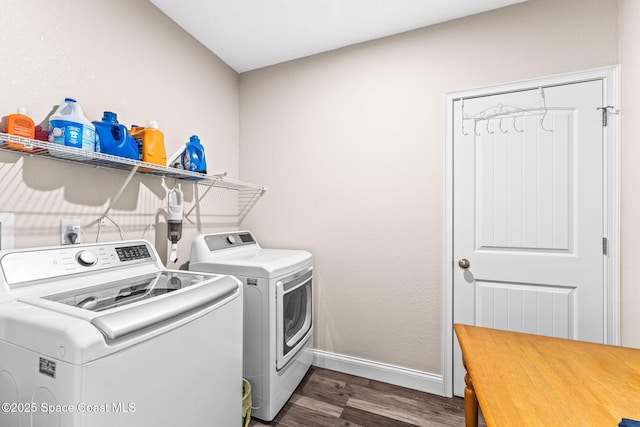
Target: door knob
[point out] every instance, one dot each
(464, 263)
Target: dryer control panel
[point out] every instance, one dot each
(216, 242)
(29, 265)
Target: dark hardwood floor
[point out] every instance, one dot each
(329, 398)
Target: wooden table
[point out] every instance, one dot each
(531, 380)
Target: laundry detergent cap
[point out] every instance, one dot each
(109, 116)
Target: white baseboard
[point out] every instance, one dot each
(404, 377)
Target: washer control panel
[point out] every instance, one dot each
(216, 242)
(45, 263)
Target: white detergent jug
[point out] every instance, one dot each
(70, 127)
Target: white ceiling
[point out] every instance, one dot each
(251, 34)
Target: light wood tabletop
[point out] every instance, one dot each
(531, 380)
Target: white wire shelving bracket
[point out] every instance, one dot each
(36, 148)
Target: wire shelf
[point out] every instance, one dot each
(32, 147)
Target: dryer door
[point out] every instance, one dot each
(294, 315)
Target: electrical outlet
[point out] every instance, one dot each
(69, 227)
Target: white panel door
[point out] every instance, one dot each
(528, 214)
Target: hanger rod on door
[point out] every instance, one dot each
(504, 111)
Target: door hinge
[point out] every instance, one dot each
(605, 246)
(605, 114)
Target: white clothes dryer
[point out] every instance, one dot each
(101, 335)
(278, 312)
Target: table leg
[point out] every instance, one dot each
(470, 403)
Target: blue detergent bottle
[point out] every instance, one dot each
(193, 158)
(114, 139)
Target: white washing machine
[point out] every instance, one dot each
(101, 335)
(278, 312)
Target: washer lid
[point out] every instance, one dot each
(119, 293)
(261, 263)
(57, 327)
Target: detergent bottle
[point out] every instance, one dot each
(21, 125)
(136, 132)
(70, 127)
(114, 138)
(150, 141)
(193, 156)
